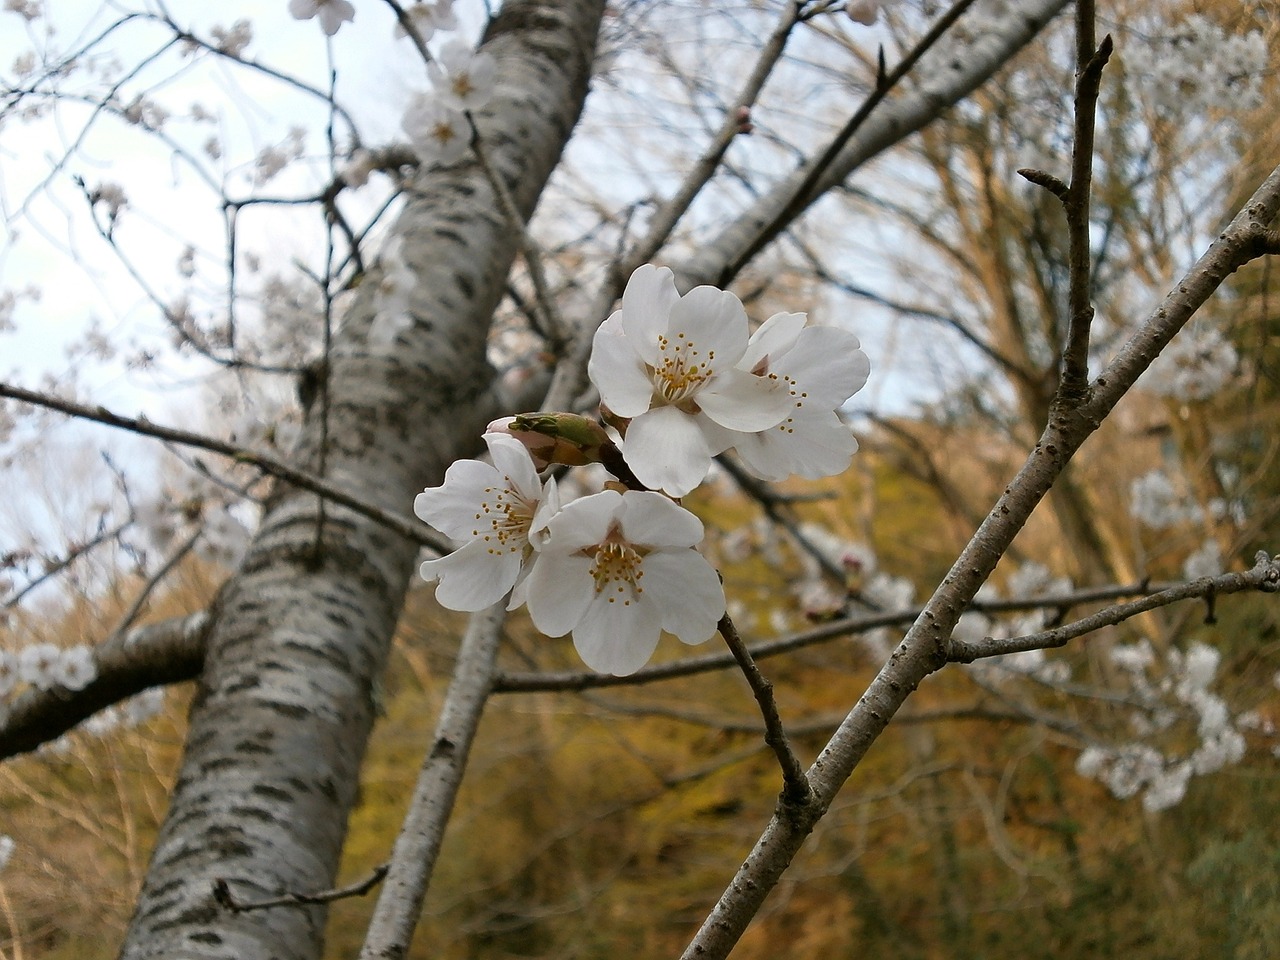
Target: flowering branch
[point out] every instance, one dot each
(170, 651)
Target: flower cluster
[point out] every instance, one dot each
(681, 379)
(1156, 503)
(462, 80)
(1162, 775)
(1198, 68)
(685, 382)
(45, 666)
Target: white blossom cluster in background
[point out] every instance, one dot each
(1197, 67)
(1163, 709)
(681, 379)
(1196, 364)
(1155, 502)
(46, 666)
(1031, 581)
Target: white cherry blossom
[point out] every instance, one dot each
(438, 133)
(617, 569)
(462, 78)
(491, 508)
(38, 664)
(668, 363)
(76, 669)
(822, 367)
(331, 13)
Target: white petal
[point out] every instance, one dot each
(714, 321)
(654, 521)
(813, 446)
(774, 337)
(827, 365)
(471, 578)
(557, 592)
(583, 522)
(740, 401)
(451, 508)
(617, 371)
(688, 593)
(617, 639)
(666, 451)
(646, 308)
(511, 459)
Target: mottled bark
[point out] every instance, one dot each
(300, 635)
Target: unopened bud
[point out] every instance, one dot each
(565, 438)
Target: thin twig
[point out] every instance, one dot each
(410, 529)
(1090, 62)
(1265, 576)
(804, 193)
(795, 789)
(229, 901)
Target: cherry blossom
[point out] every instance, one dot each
(866, 11)
(491, 508)
(822, 367)
(38, 664)
(617, 569)
(332, 13)
(439, 134)
(76, 669)
(463, 79)
(667, 363)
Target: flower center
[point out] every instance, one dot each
(503, 520)
(617, 568)
(681, 372)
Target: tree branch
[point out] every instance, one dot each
(410, 529)
(157, 654)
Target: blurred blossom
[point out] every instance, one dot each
(331, 13)
(1154, 502)
(138, 709)
(1204, 562)
(1197, 67)
(438, 134)
(38, 665)
(77, 668)
(462, 78)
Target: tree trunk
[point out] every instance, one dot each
(285, 705)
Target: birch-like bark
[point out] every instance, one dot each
(286, 701)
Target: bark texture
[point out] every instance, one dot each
(300, 634)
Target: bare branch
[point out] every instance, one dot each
(226, 899)
(410, 529)
(1265, 576)
(416, 848)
